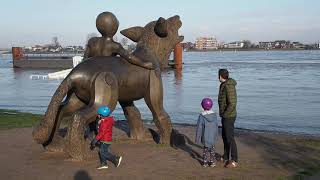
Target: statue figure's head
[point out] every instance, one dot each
(158, 36)
(107, 24)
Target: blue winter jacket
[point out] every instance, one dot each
(207, 129)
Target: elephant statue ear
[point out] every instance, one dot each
(161, 28)
(133, 33)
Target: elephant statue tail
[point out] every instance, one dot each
(42, 131)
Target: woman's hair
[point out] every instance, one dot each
(224, 73)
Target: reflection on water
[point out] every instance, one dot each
(178, 75)
(276, 90)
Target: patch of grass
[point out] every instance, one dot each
(14, 119)
(309, 161)
(229, 178)
(313, 143)
(282, 178)
(308, 172)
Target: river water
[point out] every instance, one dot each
(277, 90)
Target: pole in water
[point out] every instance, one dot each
(178, 56)
(17, 53)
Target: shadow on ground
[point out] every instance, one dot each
(289, 153)
(183, 142)
(82, 175)
(178, 141)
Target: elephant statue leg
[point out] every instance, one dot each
(106, 94)
(67, 108)
(154, 100)
(133, 117)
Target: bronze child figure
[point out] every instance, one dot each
(107, 24)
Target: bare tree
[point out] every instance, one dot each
(247, 43)
(91, 35)
(55, 41)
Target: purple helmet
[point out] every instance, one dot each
(206, 103)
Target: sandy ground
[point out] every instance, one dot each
(262, 156)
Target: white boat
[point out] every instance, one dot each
(60, 74)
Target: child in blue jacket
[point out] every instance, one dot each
(207, 132)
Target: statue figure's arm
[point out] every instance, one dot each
(86, 52)
(89, 47)
(133, 59)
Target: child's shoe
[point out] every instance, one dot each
(118, 161)
(204, 165)
(103, 166)
(213, 164)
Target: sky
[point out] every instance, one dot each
(30, 22)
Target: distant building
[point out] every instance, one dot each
(37, 48)
(53, 49)
(203, 43)
(279, 44)
(282, 44)
(69, 48)
(73, 49)
(298, 45)
(188, 45)
(234, 45)
(266, 45)
(319, 45)
(27, 48)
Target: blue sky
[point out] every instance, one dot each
(37, 21)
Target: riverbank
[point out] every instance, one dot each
(261, 106)
(262, 156)
(14, 119)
